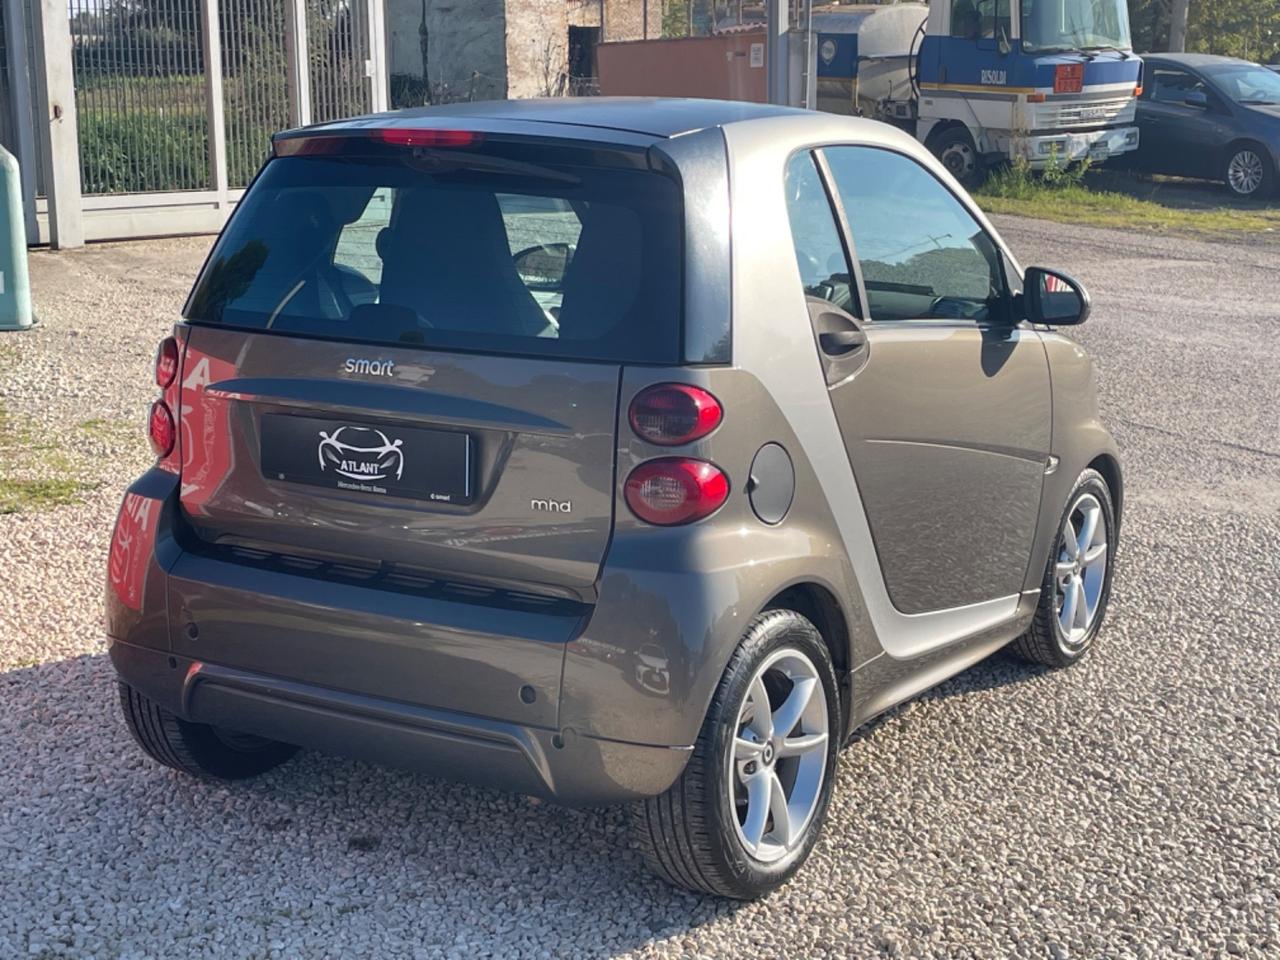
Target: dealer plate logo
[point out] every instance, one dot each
(360, 453)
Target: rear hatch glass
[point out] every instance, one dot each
(496, 248)
(404, 361)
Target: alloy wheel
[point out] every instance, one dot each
(1081, 570)
(779, 755)
(1246, 172)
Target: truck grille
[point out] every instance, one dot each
(1086, 113)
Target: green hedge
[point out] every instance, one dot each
(143, 152)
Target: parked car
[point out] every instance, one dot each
(795, 442)
(1216, 118)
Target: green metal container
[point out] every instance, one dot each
(15, 285)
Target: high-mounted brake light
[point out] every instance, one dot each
(166, 362)
(400, 137)
(670, 414)
(161, 429)
(332, 142)
(675, 490)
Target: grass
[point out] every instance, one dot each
(1113, 199)
(55, 482)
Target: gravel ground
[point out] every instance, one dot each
(1124, 808)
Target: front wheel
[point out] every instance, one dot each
(1077, 581)
(959, 154)
(749, 806)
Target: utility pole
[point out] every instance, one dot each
(1178, 26)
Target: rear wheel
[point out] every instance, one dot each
(197, 748)
(749, 806)
(959, 154)
(1077, 581)
(1249, 173)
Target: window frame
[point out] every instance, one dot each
(1008, 318)
(836, 209)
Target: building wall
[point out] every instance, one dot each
(625, 19)
(466, 46)
(490, 49)
(537, 48)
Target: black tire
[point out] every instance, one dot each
(689, 835)
(196, 748)
(1045, 641)
(955, 148)
(1251, 156)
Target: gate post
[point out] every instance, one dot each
(213, 100)
(56, 118)
(298, 66)
(376, 67)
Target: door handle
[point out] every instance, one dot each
(838, 343)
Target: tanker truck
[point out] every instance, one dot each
(983, 81)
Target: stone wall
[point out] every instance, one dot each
(625, 19)
(490, 49)
(537, 48)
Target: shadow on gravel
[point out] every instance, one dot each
(319, 842)
(1001, 669)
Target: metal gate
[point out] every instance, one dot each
(176, 100)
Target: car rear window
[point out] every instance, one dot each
(497, 252)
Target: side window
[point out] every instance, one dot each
(981, 19)
(1173, 86)
(824, 269)
(923, 256)
(357, 249)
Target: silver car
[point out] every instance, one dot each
(609, 451)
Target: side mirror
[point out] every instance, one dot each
(1198, 99)
(543, 267)
(1053, 298)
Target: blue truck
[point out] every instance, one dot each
(986, 81)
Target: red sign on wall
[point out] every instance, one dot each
(1069, 78)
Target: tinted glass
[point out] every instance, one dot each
(1174, 86)
(1246, 83)
(923, 256)
(824, 269)
(473, 253)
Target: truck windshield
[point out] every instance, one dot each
(1056, 25)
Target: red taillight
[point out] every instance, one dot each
(160, 428)
(674, 413)
(674, 490)
(166, 362)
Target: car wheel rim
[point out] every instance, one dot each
(1245, 172)
(1080, 571)
(778, 759)
(959, 160)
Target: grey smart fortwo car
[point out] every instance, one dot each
(609, 451)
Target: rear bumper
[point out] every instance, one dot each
(561, 765)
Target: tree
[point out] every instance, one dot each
(1178, 25)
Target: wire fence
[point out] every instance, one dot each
(8, 127)
(338, 49)
(254, 89)
(140, 95)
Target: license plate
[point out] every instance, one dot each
(378, 459)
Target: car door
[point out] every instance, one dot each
(1179, 138)
(943, 403)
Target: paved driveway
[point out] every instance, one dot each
(1124, 808)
